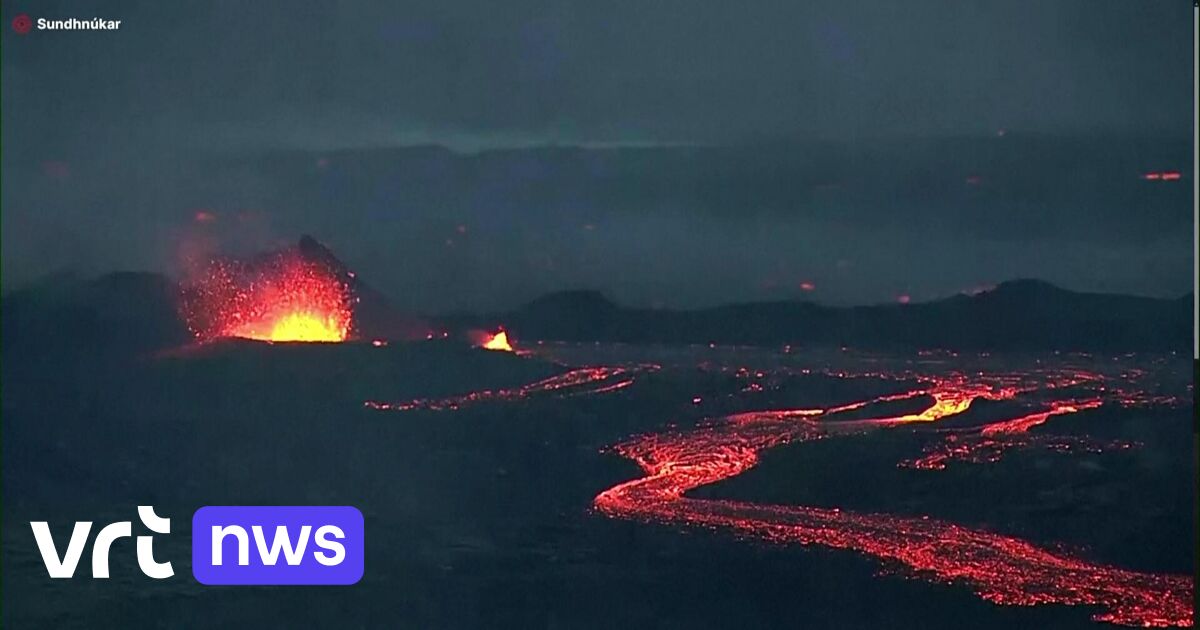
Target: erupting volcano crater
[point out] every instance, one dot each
(279, 297)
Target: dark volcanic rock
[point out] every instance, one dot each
(374, 316)
(118, 314)
(1021, 315)
(127, 314)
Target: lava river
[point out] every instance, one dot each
(1000, 569)
(585, 381)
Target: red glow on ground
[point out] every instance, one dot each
(807, 286)
(280, 298)
(1000, 569)
(577, 382)
(903, 299)
(988, 443)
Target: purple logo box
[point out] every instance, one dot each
(247, 545)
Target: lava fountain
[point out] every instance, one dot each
(280, 297)
(499, 341)
(492, 341)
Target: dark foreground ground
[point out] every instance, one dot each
(481, 517)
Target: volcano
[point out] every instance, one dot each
(297, 294)
(374, 315)
(281, 296)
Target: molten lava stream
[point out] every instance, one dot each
(989, 442)
(576, 382)
(1000, 569)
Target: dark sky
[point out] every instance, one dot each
(730, 150)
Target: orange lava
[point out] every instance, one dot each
(988, 443)
(497, 341)
(577, 382)
(1025, 423)
(1000, 569)
(280, 298)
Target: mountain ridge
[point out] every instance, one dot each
(1022, 314)
(134, 312)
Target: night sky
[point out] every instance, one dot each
(464, 155)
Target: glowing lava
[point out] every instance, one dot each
(987, 444)
(283, 297)
(305, 327)
(577, 382)
(498, 341)
(1000, 569)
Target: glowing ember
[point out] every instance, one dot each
(498, 341)
(283, 297)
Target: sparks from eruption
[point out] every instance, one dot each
(282, 297)
(1000, 569)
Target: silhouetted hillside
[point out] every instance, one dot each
(117, 314)
(1015, 316)
(125, 314)
(374, 315)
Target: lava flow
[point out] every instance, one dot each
(988, 443)
(282, 297)
(577, 382)
(1000, 569)
(497, 341)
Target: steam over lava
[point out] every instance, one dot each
(280, 297)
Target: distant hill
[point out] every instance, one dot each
(114, 315)
(1021, 315)
(123, 314)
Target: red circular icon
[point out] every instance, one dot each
(22, 24)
